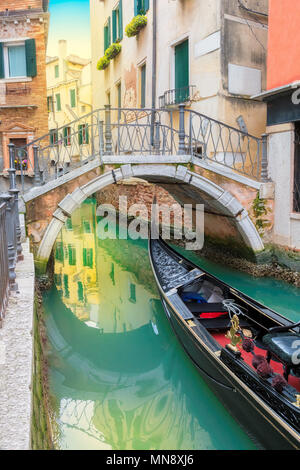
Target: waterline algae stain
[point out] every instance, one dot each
(119, 377)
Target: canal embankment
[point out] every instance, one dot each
(16, 359)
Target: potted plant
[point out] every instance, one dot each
(136, 24)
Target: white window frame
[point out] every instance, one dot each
(6, 60)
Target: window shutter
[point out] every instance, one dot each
(80, 134)
(1, 61)
(105, 38)
(30, 58)
(66, 141)
(72, 98)
(114, 25)
(146, 5)
(58, 102)
(109, 32)
(120, 33)
(87, 134)
(136, 7)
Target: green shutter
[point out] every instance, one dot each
(136, 7)
(72, 98)
(120, 33)
(143, 86)
(182, 71)
(114, 25)
(58, 102)
(109, 31)
(87, 134)
(105, 38)
(65, 132)
(80, 134)
(2, 74)
(30, 58)
(146, 5)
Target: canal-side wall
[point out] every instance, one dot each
(16, 359)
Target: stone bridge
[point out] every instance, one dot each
(213, 164)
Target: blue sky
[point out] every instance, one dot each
(70, 20)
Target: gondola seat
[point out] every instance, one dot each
(281, 343)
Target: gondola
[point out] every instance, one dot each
(248, 354)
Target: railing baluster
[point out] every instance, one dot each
(108, 135)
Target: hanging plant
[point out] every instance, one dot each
(113, 50)
(259, 210)
(136, 24)
(103, 63)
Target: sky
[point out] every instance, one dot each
(70, 20)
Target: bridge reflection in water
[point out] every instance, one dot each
(119, 378)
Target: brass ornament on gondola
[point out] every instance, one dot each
(297, 403)
(235, 338)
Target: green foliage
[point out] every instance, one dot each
(136, 24)
(113, 50)
(103, 63)
(259, 209)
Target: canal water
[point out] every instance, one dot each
(118, 377)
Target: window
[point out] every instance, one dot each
(83, 134)
(117, 23)
(88, 257)
(18, 59)
(66, 286)
(59, 251)
(80, 291)
(143, 85)
(73, 98)
(58, 102)
(53, 137)
(72, 255)
(182, 71)
(141, 7)
(69, 225)
(86, 226)
(107, 34)
(56, 71)
(132, 293)
(50, 104)
(67, 135)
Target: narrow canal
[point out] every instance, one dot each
(118, 377)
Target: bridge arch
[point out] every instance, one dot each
(203, 191)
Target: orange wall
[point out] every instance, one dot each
(284, 43)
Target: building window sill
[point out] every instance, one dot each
(16, 80)
(295, 215)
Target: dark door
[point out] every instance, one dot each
(182, 71)
(21, 154)
(297, 169)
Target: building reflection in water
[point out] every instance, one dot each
(118, 375)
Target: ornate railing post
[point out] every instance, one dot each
(10, 227)
(108, 135)
(15, 205)
(156, 138)
(264, 159)
(101, 140)
(181, 134)
(37, 174)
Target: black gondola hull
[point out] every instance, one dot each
(266, 429)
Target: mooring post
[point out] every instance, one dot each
(37, 174)
(10, 227)
(264, 159)
(181, 146)
(108, 135)
(13, 190)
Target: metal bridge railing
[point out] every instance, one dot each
(140, 132)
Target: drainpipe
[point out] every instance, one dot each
(154, 67)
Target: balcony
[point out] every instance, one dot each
(176, 96)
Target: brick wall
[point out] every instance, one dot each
(32, 92)
(20, 4)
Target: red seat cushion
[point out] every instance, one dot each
(212, 314)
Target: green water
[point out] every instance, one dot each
(119, 378)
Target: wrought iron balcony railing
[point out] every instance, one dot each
(176, 96)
